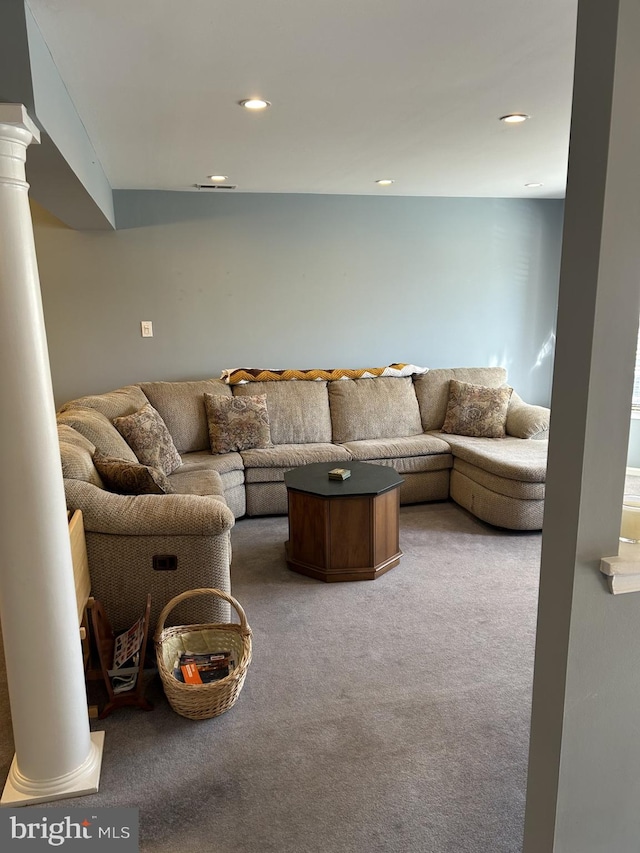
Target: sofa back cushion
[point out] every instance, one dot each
(99, 430)
(383, 407)
(432, 389)
(298, 410)
(76, 455)
(113, 404)
(181, 407)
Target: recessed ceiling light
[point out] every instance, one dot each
(384, 182)
(533, 184)
(218, 178)
(514, 118)
(254, 104)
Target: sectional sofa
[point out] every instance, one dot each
(164, 543)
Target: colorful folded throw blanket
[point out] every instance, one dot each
(239, 375)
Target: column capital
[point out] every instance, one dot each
(16, 115)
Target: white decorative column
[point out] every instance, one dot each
(56, 754)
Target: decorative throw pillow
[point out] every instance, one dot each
(147, 435)
(237, 423)
(477, 410)
(131, 478)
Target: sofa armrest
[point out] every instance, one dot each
(147, 515)
(525, 420)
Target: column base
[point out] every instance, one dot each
(23, 792)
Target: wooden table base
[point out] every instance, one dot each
(343, 538)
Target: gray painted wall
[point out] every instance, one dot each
(300, 281)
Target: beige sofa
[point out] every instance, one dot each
(384, 420)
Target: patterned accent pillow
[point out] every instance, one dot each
(147, 435)
(237, 423)
(131, 478)
(477, 410)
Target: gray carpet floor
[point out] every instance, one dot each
(379, 716)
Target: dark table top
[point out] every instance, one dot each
(366, 479)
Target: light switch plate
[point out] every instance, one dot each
(146, 327)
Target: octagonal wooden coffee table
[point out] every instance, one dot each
(343, 530)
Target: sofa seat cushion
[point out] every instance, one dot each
(298, 410)
(513, 458)
(419, 464)
(407, 455)
(97, 429)
(197, 482)
(416, 464)
(181, 407)
(521, 489)
(292, 455)
(232, 479)
(432, 389)
(394, 448)
(382, 407)
(204, 459)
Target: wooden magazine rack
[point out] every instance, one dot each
(105, 643)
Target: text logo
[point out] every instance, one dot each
(101, 829)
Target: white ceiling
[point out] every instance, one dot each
(361, 89)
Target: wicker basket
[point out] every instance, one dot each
(202, 701)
